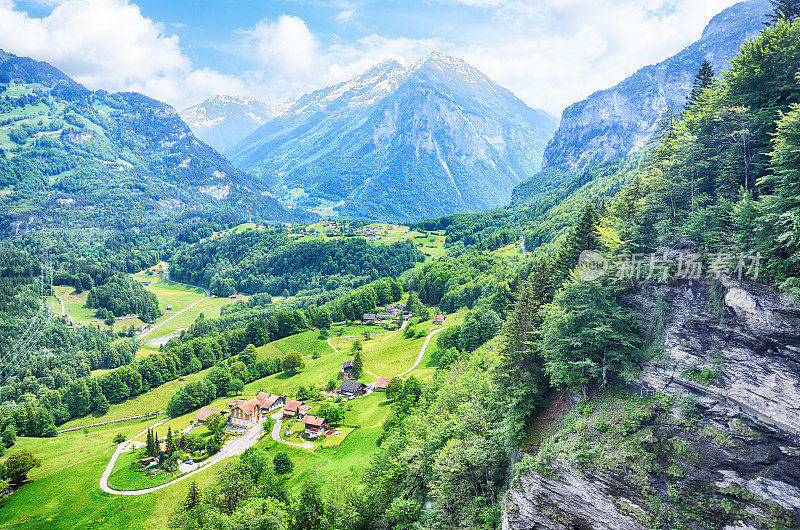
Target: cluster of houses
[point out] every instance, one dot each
(244, 414)
(394, 312)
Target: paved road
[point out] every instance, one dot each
(276, 431)
(233, 447)
(422, 351)
(166, 277)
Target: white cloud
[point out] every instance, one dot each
(109, 44)
(552, 53)
(346, 16)
(285, 45)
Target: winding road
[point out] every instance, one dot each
(233, 447)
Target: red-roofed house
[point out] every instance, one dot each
(382, 383)
(245, 413)
(292, 409)
(203, 414)
(438, 319)
(314, 426)
(269, 402)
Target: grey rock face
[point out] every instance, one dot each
(618, 121)
(732, 353)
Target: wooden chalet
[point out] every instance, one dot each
(352, 389)
(382, 383)
(314, 426)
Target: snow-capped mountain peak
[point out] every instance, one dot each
(224, 120)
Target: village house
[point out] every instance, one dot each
(203, 414)
(347, 370)
(314, 426)
(382, 383)
(438, 319)
(292, 409)
(368, 318)
(352, 389)
(385, 316)
(269, 402)
(245, 413)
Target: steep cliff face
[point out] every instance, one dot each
(616, 122)
(709, 438)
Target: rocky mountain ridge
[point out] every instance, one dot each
(397, 143)
(618, 121)
(223, 121)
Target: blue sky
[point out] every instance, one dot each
(550, 53)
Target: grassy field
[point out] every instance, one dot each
(65, 491)
(123, 478)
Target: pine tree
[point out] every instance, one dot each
(783, 10)
(583, 236)
(193, 498)
(170, 447)
(587, 332)
(150, 446)
(702, 80)
(520, 373)
(358, 365)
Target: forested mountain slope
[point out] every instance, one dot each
(400, 143)
(69, 155)
(618, 121)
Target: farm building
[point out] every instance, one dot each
(382, 383)
(352, 389)
(368, 318)
(347, 370)
(269, 402)
(203, 414)
(438, 319)
(292, 409)
(314, 426)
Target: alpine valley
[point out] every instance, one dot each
(407, 301)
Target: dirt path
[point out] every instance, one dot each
(422, 351)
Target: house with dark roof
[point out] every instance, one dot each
(352, 389)
(314, 426)
(368, 318)
(348, 371)
(382, 383)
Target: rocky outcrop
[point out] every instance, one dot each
(724, 450)
(618, 121)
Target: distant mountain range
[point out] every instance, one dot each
(72, 156)
(616, 122)
(436, 138)
(224, 121)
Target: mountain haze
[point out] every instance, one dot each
(618, 121)
(435, 138)
(224, 121)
